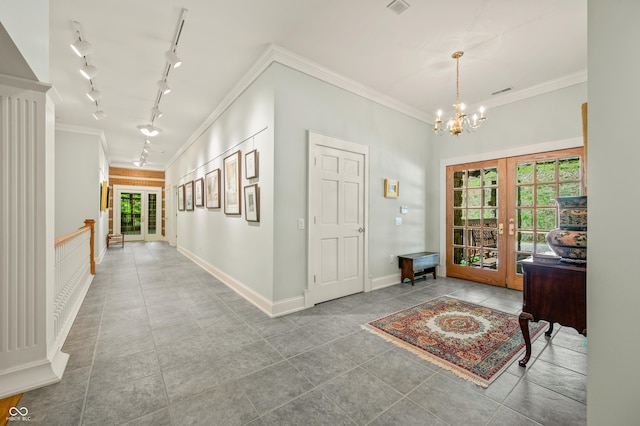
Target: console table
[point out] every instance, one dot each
(416, 264)
(556, 292)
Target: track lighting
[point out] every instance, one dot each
(147, 142)
(81, 47)
(99, 115)
(156, 113)
(164, 87)
(88, 71)
(94, 95)
(149, 130)
(173, 59)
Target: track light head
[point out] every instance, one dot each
(88, 71)
(81, 47)
(99, 115)
(94, 95)
(155, 113)
(149, 130)
(173, 59)
(164, 87)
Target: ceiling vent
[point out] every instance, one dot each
(506, 89)
(398, 6)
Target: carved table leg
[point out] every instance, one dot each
(549, 331)
(524, 326)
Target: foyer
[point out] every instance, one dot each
(160, 341)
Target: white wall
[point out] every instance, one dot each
(229, 244)
(613, 287)
(398, 147)
(80, 166)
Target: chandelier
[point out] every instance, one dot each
(458, 123)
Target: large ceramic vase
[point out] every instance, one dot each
(569, 241)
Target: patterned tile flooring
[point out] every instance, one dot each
(159, 341)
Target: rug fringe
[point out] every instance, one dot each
(438, 361)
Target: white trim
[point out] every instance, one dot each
(383, 282)
(34, 375)
(24, 83)
(270, 308)
(505, 153)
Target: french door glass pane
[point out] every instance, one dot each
(130, 213)
(151, 213)
(475, 218)
(538, 184)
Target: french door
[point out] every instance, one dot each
(500, 211)
(138, 213)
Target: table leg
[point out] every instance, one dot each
(524, 326)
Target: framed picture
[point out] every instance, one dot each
(181, 197)
(199, 192)
(252, 203)
(103, 196)
(251, 164)
(391, 188)
(188, 195)
(232, 176)
(213, 189)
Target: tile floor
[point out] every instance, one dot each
(159, 341)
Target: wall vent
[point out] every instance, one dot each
(398, 6)
(506, 89)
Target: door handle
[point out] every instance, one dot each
(500, 228)
(361, 230)
(512, 227)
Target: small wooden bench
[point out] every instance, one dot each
(417, 264)
(115, 239)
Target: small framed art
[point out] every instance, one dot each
(181, 197)
(199, 192)
(188, 195)
(213, 189)
(252, 203)
(232, 177)
(391, 188)
(251, 164)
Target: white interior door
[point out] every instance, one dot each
(337, 219)
(138, 213)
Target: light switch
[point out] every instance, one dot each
(404, 209)
(398, 221)
(300, 223)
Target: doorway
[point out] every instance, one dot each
(500, 211)
(337, 217)
(138, 213)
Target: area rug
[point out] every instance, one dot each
(474, 342)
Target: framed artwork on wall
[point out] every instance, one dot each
(251, 164)
(213, 189)
(252, 203)
(391, 188)
(232, 177)
(181, 197)
(199, 192)
(188, 195)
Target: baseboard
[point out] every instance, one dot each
(269, 307)
(382, 282)
(33, 376)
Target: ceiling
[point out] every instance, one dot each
(404, 57)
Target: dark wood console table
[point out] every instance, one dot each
(416, 264)
(554, 292)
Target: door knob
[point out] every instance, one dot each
(361, 230)
(512, 226)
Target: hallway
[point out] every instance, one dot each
(160, 341)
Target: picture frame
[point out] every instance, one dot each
(251, 164)
(199, 192)
(391, 188)
(232, 178)
(213, 189)
(181, 197)
(252, 203)
(188, 196)
(103, 196)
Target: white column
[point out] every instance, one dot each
(28, 355)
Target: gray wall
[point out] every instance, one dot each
(613, 288)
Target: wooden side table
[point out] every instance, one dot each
(417, 264)
(554, 292)
(115, 239)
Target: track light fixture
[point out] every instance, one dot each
(173, 59)
(164, 87)
(155, 113)
(99, 115)
(81, 47)
(94, 95)
(88, 71)
(149, 130)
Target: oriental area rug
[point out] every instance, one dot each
(472, 341)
